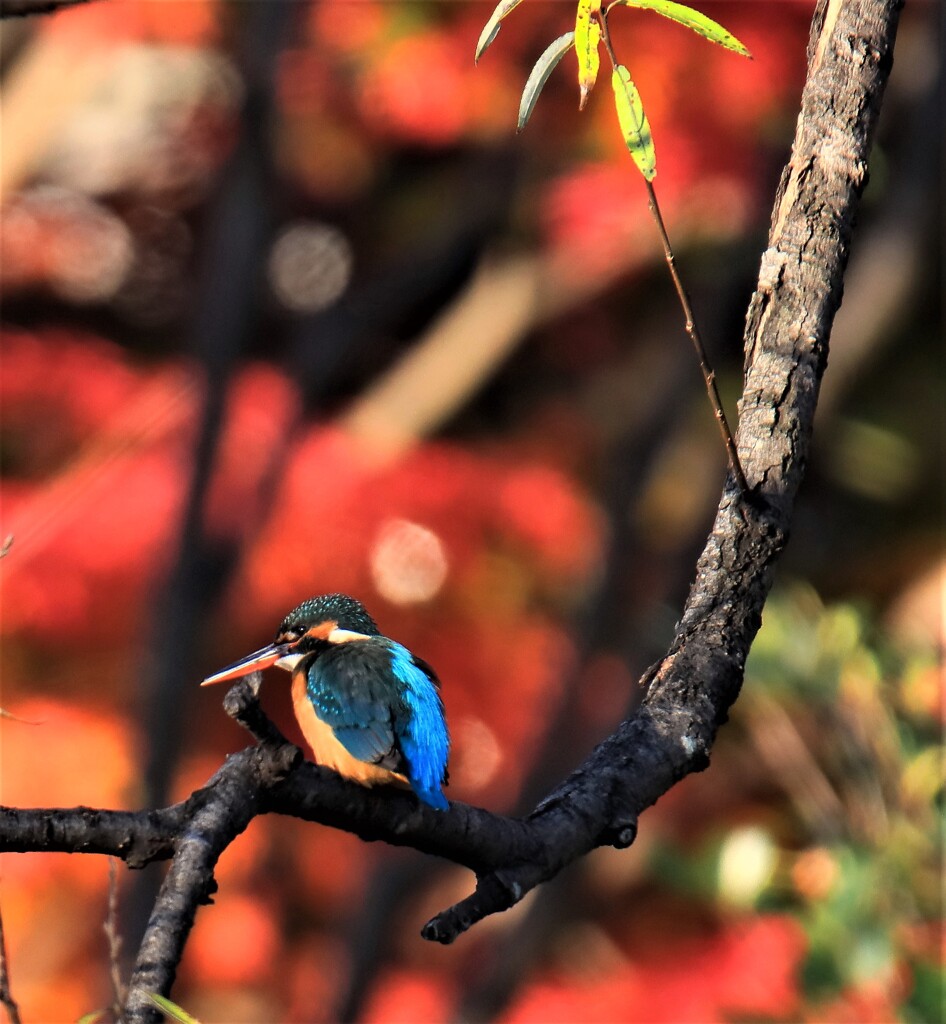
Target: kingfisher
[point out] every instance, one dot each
(368, 707)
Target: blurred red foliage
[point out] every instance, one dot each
(870, 1004)
(350, 26)
(59, 753)
(745, 969)
(423, 88)
(409, 995)
(182, 23)
(97, 451)
(236, 945)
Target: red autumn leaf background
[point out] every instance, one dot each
(232, 235)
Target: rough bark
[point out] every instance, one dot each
(689, 691)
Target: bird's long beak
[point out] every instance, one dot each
(254, 662)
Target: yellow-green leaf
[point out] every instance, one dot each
(94, 1017)
(684, 15)
(540, 74)
(587, 38)
(170, 1009)
(491, 28)
(633, 121)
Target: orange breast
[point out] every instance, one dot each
(326, 748)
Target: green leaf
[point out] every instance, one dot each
(491, 28)
(587, 38)
(540, 74)
(94, 1017)
(170, 1009)
(700, 24)
(633, 121)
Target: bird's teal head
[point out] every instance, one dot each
(326, 619)
(321, 616)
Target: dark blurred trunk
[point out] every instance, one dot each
(239, 223)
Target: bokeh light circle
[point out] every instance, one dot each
(310, 266)
(408, 562)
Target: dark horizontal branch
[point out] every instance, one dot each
(137, 837)
(272, 778)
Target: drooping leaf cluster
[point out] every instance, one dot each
(591, 29)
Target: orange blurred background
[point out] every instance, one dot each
(288, 308)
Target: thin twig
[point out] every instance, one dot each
(6, 997)
(709, 375)
(606, 37)
(114, 939)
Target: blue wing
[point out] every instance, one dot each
(384, 708)
(424, 741)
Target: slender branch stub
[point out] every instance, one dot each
(709, 375)
(602, 16)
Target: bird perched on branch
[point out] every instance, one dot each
(369, 708)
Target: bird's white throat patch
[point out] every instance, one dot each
(289, 661)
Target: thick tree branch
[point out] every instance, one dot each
(137, 837)
(226, 810)
(786, 342)
(689, 691)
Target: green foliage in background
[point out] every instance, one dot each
(846, 724)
